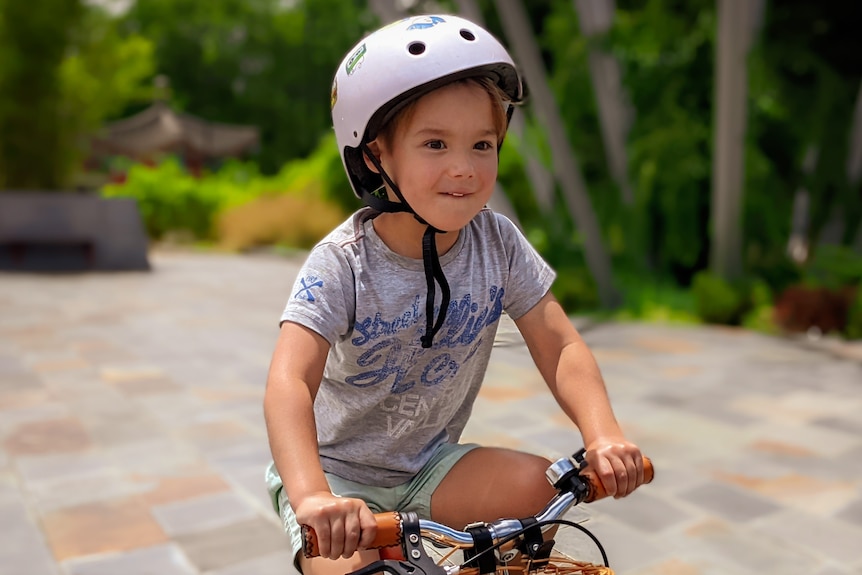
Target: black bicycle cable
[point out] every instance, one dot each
(523, 530)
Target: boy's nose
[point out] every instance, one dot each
(461, 165)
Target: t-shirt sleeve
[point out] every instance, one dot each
(323, 297)
(530, 276)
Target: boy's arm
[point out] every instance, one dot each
(294, 377)
(572, 374)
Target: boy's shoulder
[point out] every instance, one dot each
(489, 221)
(349, 232)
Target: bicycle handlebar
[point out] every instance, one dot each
(389, 532)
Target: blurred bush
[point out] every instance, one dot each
(174, 202)
(277, 220)
(800, 308)
(717, 301)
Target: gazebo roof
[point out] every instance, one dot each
(161, 129)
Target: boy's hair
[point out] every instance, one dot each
(499, 105)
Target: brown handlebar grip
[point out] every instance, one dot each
(597, 490)
(388, 534)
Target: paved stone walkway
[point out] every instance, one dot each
(133, 442)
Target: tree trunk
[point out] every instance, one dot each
(596, 18)
(737, 22)
(541, 181)
(385, 10)
(854, 160)
(798, 244)
(565, 163)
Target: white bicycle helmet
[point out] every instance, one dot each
(399, 63)
(384, 72)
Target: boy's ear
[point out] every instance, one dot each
(375, 149)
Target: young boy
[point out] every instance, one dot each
(387, 334)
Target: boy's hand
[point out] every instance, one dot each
(342, 524)
(618, 464)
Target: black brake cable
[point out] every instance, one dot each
(523, 530)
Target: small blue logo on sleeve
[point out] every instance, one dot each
(308, 282)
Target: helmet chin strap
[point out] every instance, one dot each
(430, 259)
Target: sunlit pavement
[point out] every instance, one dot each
(133, 439)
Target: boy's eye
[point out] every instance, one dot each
(435, 144)
(484, 146)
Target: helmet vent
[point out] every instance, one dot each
(467, 35)
(416, 48)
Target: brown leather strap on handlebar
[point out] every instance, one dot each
(388, 534)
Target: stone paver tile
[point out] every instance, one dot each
(121, 427)
(181, 488)
(249, 483)
(130, 373)
(22, 547)
(627, 548)
(48, 436)
(140, 387)
(60, 364)
(833, 538)
(101, 527)
(279, 563)
(732, 504)
(806, 438)
(159, 559)
(82, 488)
(202, 513)
(847, 423)
(31, 396)
(62, 466)
(232, 544)
(644, 511)
(816, 495)
(162, 456)
(747, 550)
(852, 513)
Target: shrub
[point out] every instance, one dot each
(174, 202)
(575, 290)
(293, 220)
(717, 301)
(801, 307)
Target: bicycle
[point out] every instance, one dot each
(505, 546)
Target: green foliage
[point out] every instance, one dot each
(802, 88)
(34, 139)
(833, 267)
(64, 70)
(653, 299)
(171, 200)
(760, 313)
(254, 62)
(104, 72)
(717, 301)
(665, 50)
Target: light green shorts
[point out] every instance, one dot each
(414, 495)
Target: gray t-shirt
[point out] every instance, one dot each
(385, 403)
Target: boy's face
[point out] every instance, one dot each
(444, 155)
